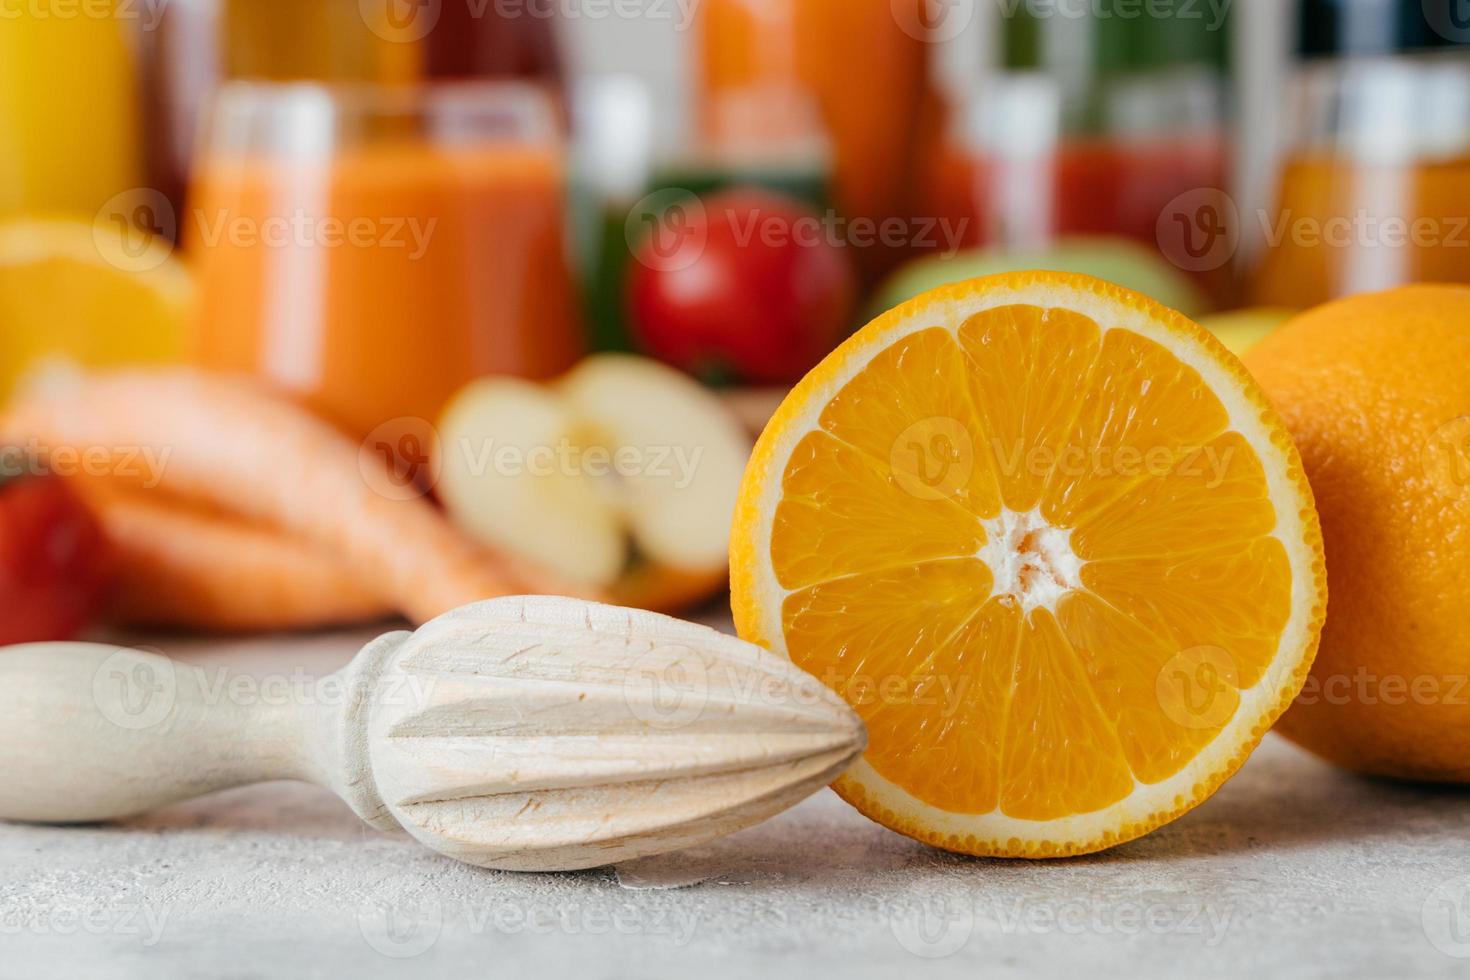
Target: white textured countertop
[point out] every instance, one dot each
(1293, 870)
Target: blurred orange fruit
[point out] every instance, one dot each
(1048, 539)
(1376, 391)
(95, 295)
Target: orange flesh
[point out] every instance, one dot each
(1049, 689)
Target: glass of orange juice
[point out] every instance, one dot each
(1375, 188)
(371, 249)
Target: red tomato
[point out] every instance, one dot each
(749, 286)
(53, 564)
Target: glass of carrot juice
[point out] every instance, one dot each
(370, 249)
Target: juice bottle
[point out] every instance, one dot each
(867, 73)
(68, 117)
(481, 42)
(456, 267)
(1374, 191)
(1095, 124)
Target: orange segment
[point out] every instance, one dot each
(1210, 496)
(1237, 601)
(910, 411)
(1056, 726)
(1022, 360)
(1170, 412)
(935, 634)
(841, 515)
(1157, 738)
(915, 610)
(1015, 525)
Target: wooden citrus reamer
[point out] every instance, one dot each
(523, 734)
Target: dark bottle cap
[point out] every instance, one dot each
(1329, 28)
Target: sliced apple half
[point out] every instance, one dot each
(503, 482)
(620, 477)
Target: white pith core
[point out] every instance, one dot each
(1030, 559)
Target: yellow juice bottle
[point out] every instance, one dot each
(69, 136)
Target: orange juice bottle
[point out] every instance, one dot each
(866, 62)
(1375, 190)
(68, 121)
(375, 272)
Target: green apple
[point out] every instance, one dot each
(1118, 260)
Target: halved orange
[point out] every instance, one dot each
(1049, 540)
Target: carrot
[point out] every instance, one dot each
(232, 444)
(180, 567)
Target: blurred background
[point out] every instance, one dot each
(370, 204)
(1219, 154)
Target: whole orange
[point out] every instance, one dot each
(1376, 391)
